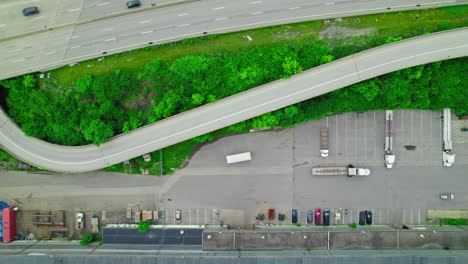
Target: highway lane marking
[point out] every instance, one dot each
(103, 4)
(12, 51)
(330, 3)
(2, 25)
(73, 37)
(18, 60)
(144, 22)
(107, 29)
(296, 7)
(256, 2)
(220, 18)
(111, 39)
(38, 17)
(256, 13)
(74, 47)
(184, 14)
(218, 8)
(184, 25)
(146, 32)
(74, 10)
(233, 114)
(49, 53)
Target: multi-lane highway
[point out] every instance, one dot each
(70, 31)
(269, 97)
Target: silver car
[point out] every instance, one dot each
(178, 216)
(447, 196)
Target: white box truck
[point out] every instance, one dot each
(323, 142)
(349, 171)
(235, 158)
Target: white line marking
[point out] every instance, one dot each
(11, 51)
(221, 18)
(103, 4)
(184, 25)
(18, 60)
(256, 13)
(182, 14)
(107, 29)
(218, 8)
(230, 115)
(146, 32)
(74, 47)
(74, 37)
(74, 10)
(2, 25)
(296, 7)
(331, 3)
(256, 2)
(38, 17)
(111, 39)
(144, 22)
(49, 53)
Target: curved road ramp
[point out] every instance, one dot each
(231, 110)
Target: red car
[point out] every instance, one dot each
(318, 216)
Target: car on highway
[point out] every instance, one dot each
(369, 217)
(80, 220)
(318, 216)
(178, 216)
(310, 216)
(362, 218)
(29, 11)
(447, 196)
(326, 217)
(294, 216)
(133, 3)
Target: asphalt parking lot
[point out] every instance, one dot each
(279, 175)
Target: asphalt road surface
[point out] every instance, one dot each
(68, 44)
(269, 97)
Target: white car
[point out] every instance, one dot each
(80, 221)
(447, 196)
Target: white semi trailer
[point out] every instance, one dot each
(349, 171)
(388, 147)
(448, 158)
(324, 142)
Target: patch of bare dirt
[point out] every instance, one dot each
(344, 32)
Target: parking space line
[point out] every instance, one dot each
(402, 122)
(404, 216)
(375, 141)
(190, 217)
(346, 136)
(387, 215)
(365, 136)
(205, 217)
(198, 217)
(380, 216)
(421, 136)
(419, 216)
(412, 123)
(336, 136)
(411, 219)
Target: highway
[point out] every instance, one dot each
(68, 31)
(257, 101)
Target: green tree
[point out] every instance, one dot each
(265, 121)
(143, 226)
(97, 131)
(368, 89)
(29, 81)
(197, 99)
(87, 239)
(290, 67)
(84, 83)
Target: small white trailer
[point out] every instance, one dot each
(349, 171)
(241, 157)
(323, 142)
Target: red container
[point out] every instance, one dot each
(271, 214)
(9, 224)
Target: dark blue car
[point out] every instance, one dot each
(294, 216)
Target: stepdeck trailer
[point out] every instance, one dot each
(388, 147)
(238, 158)
(9, 224)
(448, 158)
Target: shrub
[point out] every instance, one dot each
(87, 239)
(353, 225)
(143, 226)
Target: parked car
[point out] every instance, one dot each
(326, 217)
(447, 196)
(368, 217)
(338, 216)
(133, 3)
(80, 220)
(29, 11)
(178, 216)
(294, 216)
(261, 217)
(281, 217)
(362, 218)
(318, 216)
(310, 216)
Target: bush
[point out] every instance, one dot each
(353, 225)
(143, 226)
(453, 221)
(87, 239)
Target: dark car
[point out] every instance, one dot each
(133, 3)
(310, 216)
(326, 217)
(362, 218)
(294, 216)
(369, 217)
(32, 10)
(318, 216)
(281, 217)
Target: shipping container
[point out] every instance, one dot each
(9, 224)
